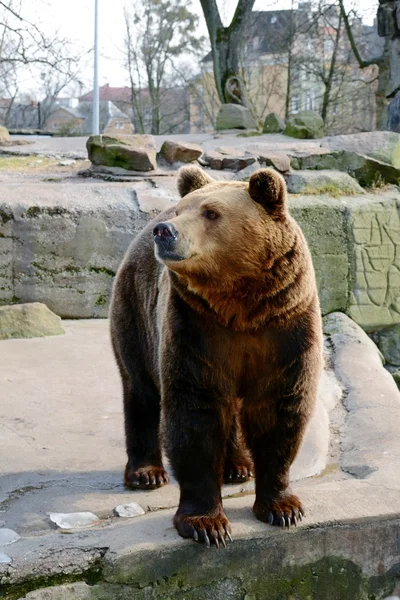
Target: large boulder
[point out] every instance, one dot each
(381, 145)
(273, 124)
(306, 125)
(183, 152)
(131, 152)
(235, 116)
(332, 183)
(4, 136)
(28, 321)
(389, 344)
(368, 171)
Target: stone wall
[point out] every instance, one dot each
(62, 244)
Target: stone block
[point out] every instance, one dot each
(374, 259)
(381, 145)
(332, 183)
(273, 124)
(183, 152)
(235, 116)
(325, 228)
(130, 152)
(305, 125)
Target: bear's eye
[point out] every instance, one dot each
(210, 214)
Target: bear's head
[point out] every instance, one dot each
(225, 230)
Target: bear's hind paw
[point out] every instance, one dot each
(238, 473)
(145, 478)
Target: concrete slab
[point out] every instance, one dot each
(61, 421)
(62, 425)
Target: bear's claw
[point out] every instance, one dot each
(207, 529)
(145, 478)
(237, 474)
(284, 510)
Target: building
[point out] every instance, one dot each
(77, 120)
(286, 58)
(170, 115)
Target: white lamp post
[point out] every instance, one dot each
(96, 103)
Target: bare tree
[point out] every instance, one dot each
(381, 62)
(225, 43)
(158, 32)
(26, 50)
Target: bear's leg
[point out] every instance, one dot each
(238, 465)
(274, 428)
(144, 468)
(195, 431)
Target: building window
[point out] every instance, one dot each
(295, 104)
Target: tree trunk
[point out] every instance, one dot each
(225, 41)
(328, 83)
(383, 64)
(381, 100)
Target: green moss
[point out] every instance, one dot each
(104, 270)
(248, 134)
(5, 217)
(101, 300)
(53, 211)
(15, 591)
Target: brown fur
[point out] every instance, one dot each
(224, 333)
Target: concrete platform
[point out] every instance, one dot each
(62, 450)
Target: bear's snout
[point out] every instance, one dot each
(165, 237)
(164, 232)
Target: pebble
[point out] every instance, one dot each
(66, 163)
(8, 536)
(4, 559)
(77, 520)
(129, 510)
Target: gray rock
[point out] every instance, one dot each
(305, 125)
(129, 510)
(131, 152)
(221, 160)
(389, 344)
(28, 321)
(333, 183)
(278, 160)
(4, 136)
(368, 171)
(62, 245)
(381, 145)
(184, 152)
(245, 174)
(78, 520)
(273, 124)
(235, 116)
(5, 559)
(7, 537)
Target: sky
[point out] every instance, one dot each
(74, 19)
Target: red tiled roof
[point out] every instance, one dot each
(115, 94)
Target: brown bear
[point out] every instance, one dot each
(216, 329)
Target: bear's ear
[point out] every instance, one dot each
(268, 188)
(192, 178)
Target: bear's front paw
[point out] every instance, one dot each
(284, 509)
(238, 472)
(211, 528)
(145, 478)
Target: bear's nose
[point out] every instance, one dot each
(165, 231)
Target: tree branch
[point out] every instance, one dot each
(363, 64)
